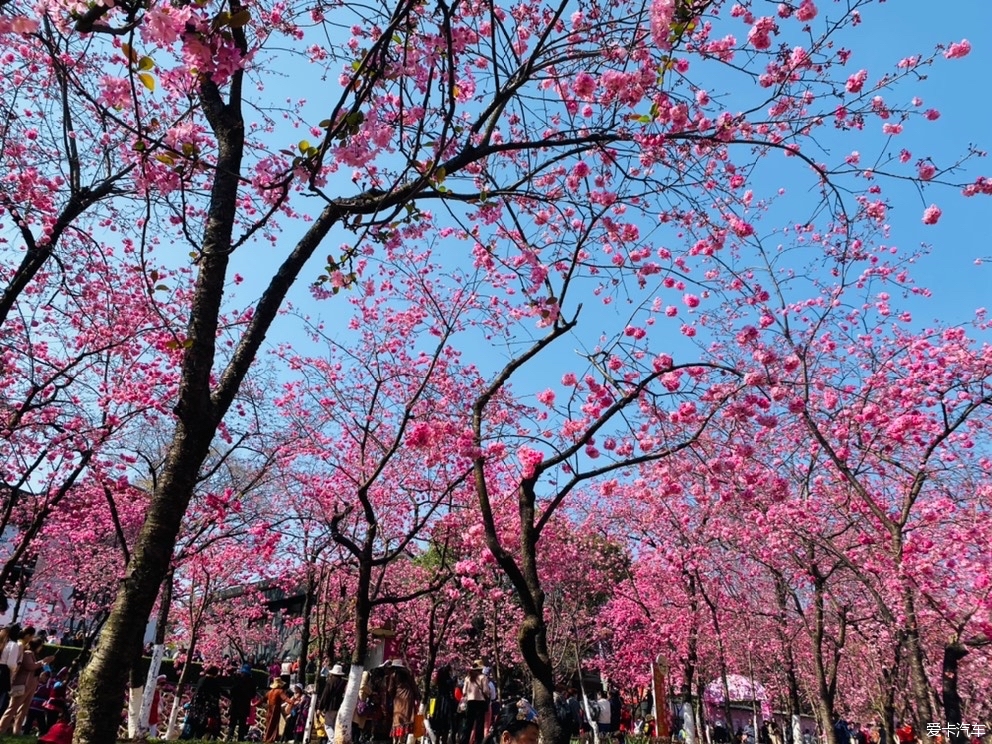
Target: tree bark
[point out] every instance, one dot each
(101, 686)
(824, 697)
(363, 615)
(308, 603)
(954, 651)
(920, 685)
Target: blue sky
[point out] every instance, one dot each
(960, 89)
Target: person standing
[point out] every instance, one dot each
(604, 714)
(293, 712)
(242, 693)
(303, 713)
(401, 689)
(331, 697)
(475, 702)
(204, 708)
(442, 708)
(10, 657)
(155, 713)
(274, 701)
(25, 678)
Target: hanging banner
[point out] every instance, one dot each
(660, 697)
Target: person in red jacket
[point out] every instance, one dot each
(905, 734)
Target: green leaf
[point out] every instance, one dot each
(326, 123)
(355, 118)
(140, 146)
(164, 157)
(146, 63)
(147, 80)
(304, 146)
(161, 287)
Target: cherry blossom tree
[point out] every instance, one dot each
(374, 420)
(544, 136)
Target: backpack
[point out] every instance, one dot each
(593, 711)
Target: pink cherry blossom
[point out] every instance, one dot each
(958, 49)
(806, 11)
(857, 81)
(931, 214)
(661, 15)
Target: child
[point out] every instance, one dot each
(61, 732)
(37, 712)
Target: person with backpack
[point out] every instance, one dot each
(568, 712)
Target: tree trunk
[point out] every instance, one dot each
(533, 641)
(363, 615)
(920, 685)
(101, 687)
(791, 676)
(824, 697)
(157, 653)
(688, 675)
(177, 702)
(103, 681)
(136, 689)
(308, 603)
(954, 651)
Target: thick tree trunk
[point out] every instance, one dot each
(363, 615)
(953, 653)
(101, 687)
(533, 642)
(920, 685)
(102, 684)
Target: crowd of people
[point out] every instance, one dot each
(33, 697)
(457, 709)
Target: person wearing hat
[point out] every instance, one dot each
(331, 697)
(302, 711)
(475, 704)
(403, 694)
(274, 701)
(292, 711)
(242, 692)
